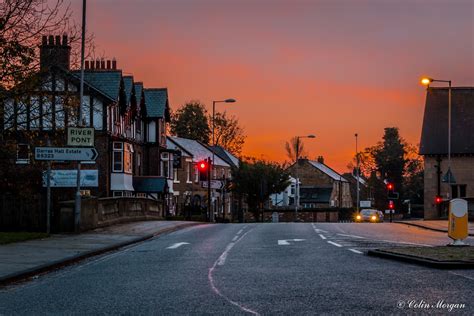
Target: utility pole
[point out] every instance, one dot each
(77, 204)
(357, 174)
(211, 212)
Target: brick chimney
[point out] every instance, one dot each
(55, 51)
(321, 159)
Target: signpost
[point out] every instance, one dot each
(65, 153)
(365, 204)
(67, 178)
(80, 136)
(215, 184)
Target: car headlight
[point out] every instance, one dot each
(358, 217)
(374, 218)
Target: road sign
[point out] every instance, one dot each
(68, 178)
(80, 136)
(215, 184)
(65, 153)
(365, 203)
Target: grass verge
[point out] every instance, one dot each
(11, 237)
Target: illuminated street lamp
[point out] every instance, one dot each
(297, 184)
(448, 177)
(214, 139)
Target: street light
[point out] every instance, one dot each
(297, 184)
(213, 136)
(357, 173)
(426, 81)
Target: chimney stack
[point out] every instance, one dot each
(102, 64)
(54, 53)
(321, 159)
(108, 64)
(86, 66)
(114, 64)
(97, 64)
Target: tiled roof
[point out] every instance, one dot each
(198, 150)
(225, 155)
(107, 82)
(128, 84)
(156, 102)
(173, 146)
(138, 90)
(333, 174)
(434, 133)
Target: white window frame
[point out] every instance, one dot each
(117, 149)
(188, 171)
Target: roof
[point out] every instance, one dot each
(198, 150)
(156, 101)
(173, 146)
(107, 82)
(138, 90)
(128, 84)
(353, 178)
(434, 133)
(150, 184)
(327, 170)
(225, 155)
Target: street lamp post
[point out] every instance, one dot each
(297, 184)
(426, 81)
(357, 174)
(214, 140)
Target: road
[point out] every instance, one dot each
(245, 269)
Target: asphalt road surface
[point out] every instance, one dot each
(259, 269)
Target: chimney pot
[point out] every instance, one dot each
(92, 64)
(50, 40)
(44, 40)
(114, 64)
(97, 64)
(108, 64)
(58, 40)
(102, 64)
(86, 66)
(65, 40)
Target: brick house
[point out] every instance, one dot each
(188, 189)
(129, 122)
(434, 148)
(320, 185)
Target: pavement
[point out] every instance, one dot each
(434, 225)
(252, 269)
(24, 259)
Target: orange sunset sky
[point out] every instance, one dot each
(330, 68)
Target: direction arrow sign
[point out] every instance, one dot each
(65, 153)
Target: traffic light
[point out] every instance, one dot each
(391, 205)
(390, 186)
(391, 194)
(438, 199)
(203, 168)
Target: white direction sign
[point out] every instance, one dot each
(80, 136)
(286, 242)
(65, 153)
(68, 178)
(215, 184)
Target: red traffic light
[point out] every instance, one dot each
(390, 205)
(438, 199)
(389, 186)
(202, 165)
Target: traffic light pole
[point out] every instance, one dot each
(211, 213)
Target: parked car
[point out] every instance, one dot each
(369, 215)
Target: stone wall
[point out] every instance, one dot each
(101, 212)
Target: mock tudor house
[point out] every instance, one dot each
(320, 185)
(434, 148)
(188, 190)
(129, 122)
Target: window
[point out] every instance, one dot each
(86, 111)
(117, 164)
(35, 113)
(196, 174)
(139, 163)
(188, 172)
(165, 165)
(9, 116)
(47, 114)
(97, 114)
(60, 118)
(176, 179)
(21, 115)
(458, 191)
(22, 154)
(59, 84)
(128, 158)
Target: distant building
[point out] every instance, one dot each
(285, 198)
(320, 185)
(364, 191)
(434, 148)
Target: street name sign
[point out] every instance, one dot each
(215, 184)
(80, 136)
(68, 178)
(65, 153)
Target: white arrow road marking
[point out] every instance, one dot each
(356, 251)
(335, 244)
(285, 242)
(176, 245)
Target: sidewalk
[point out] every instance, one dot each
(435, 225)
(23, 259)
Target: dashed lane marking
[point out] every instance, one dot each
(235, 238)
(240, 231)
(333, 243)
(356, 251)
(322, 236)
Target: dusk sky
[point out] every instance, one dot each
(330, 68)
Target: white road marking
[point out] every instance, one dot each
(333, 243)
(356, 251)
(220, 261)
(461, 275)
(240, 231)
(176, 245)
(317, 230)
(235, 238)
(354, 236)
(285, 242)
(322, 236)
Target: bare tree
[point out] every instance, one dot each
(228, 133)
(295, 149)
